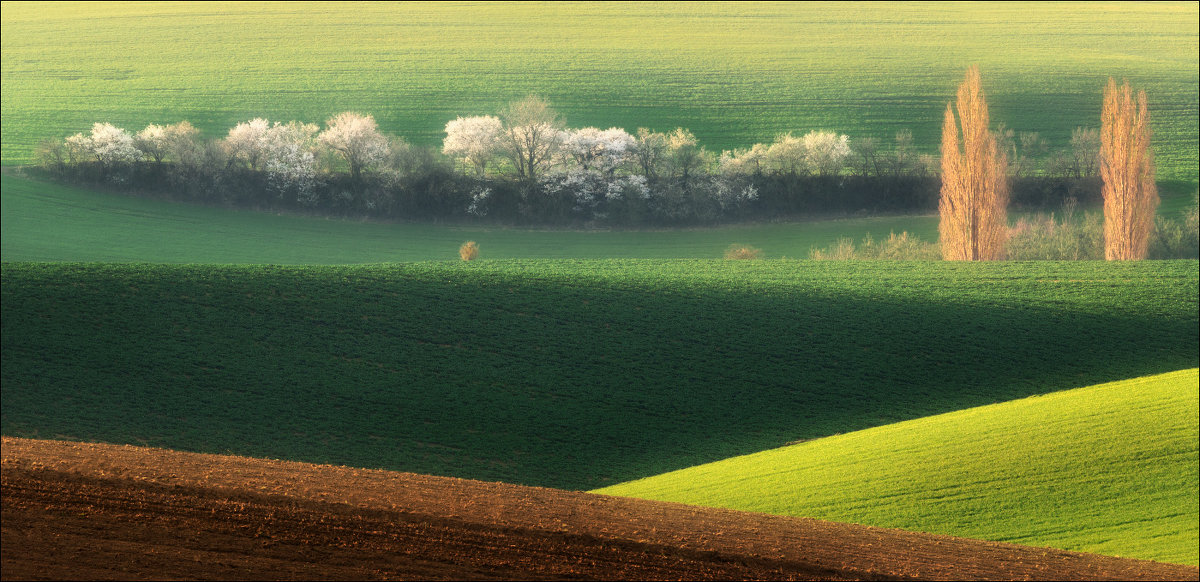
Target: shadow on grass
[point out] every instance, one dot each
(574, 378)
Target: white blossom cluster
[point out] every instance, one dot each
(291, 165)
(107, 144)
(357, 138)
(825, 151)
(731, 196)
(479, 201)
(819, 152)
(601, 149)
(474, 139)
(586, 171)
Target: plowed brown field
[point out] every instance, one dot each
(94, 511)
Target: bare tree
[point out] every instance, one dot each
(974, 198)
(1085, 151)
(650, 150)
(685, 155)
(868, 162)
(1127, 168)
(901, 159)
(531, 135)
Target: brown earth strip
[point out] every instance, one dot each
(84, 511)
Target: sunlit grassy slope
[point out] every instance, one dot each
(47, 222)
(1110, 469)
(734, 73)
(566, 373)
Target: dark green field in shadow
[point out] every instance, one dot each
(572, 374)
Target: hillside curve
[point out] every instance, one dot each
(81, 510)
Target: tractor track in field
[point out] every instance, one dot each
(93, 511)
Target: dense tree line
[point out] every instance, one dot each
(525, 166)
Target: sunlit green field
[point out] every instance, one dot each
(734, 73)
(1111, 469)
(47, 222)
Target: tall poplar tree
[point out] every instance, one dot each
(974, 198)
(1127, 168)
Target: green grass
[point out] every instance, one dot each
(40, 221)
(565, 373)
(47, 222)
(1110, 469)
(734, 73)
(1176, 198)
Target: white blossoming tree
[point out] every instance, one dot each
(152, 141)
(743, 162)
(473, 139)
(247, 142)
(160, 141)
(600, 149)
(787, 155)
(357, 139)
(289, 161)
(825, 152)
(107, 144)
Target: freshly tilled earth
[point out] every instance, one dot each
(95, 511)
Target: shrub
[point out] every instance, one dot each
(842, 250)
(742, 252)
(469, 251)
(1043, 238)
(1177, 238)
(897, 247)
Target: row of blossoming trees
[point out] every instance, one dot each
(526, 165)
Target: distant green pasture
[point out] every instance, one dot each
(1111, 469)
(734, 73)
(48, 222)
(51, 222)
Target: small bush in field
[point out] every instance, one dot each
(1043, 238)
(1177, 238)
(469, 251)
(897, 247)
(736, 252)
(842, 250)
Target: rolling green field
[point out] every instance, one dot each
(585, 359)
(733, 73)
(564, 373)
(1111, 469)
(47, 222)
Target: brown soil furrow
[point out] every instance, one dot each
(80, 510)
(278, 537)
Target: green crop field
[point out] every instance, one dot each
(734, 73)
(585, 359)
(565, 373)
(48, 222)
(1111, 469)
